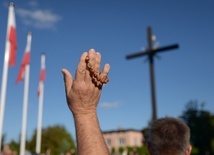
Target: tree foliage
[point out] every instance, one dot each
(54, 138)
(145, 133)
(3, 141)
(201, 123)
(14, 145)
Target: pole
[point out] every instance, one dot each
(39, 127)
(3, 89)
(40, 109)
(10, 22)
(151, 53)
(152, 77)
(26, 65)
(25, 105)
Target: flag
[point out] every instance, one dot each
(11, 36)
(42, 74)
(25, 60)
(24, 73)
(9, 59)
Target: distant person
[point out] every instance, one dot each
(169, 136)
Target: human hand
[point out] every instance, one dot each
(83, 92)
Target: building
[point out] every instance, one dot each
(123, 138)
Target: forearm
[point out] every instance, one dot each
(83, 94)
(90, 140)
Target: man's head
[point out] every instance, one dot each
(169, 136)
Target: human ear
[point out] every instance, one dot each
(189, 149)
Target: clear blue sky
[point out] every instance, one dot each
(64, 29)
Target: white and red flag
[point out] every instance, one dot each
(11, 36)
(9, 60)
(25, 60)
(24, 73)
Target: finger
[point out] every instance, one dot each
(96, 68)
(97, 61)
(92, 58)
(105, 71)
(68, 80)
(103, 76)
(81, 68)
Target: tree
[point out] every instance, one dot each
(113, 150)
(54, 138)
(143, 150)
(121, 149)
(14, 145)
(145, 133)
(201, 123)
(3, 141)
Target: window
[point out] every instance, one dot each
(108, 141)
(135, 141)
(122, 141)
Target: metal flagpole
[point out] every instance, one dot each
(25, 99)
(40, 110)
(11, 20)
(39, 127)
(25, 105)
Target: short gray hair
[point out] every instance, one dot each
(169, 136)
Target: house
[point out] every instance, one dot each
(123, 138)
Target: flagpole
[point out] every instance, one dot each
(25, 105)
(25, 99)
(11, 17)
(3, 89)
(40, 109)
(39, 127)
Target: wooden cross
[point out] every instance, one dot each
(150, 52)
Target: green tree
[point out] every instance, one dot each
(145, 133)
(143, 150)
(54, 138)
(14, 146)
(201, 123)
(121, 149)
(3, 141)
(112, 150)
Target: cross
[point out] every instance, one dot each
(150, 52)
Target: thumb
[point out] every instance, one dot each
(68, 80)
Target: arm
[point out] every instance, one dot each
(83, 94)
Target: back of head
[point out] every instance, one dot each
(169, 136)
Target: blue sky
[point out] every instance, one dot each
(64, 29)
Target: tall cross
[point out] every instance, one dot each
(150, 52)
